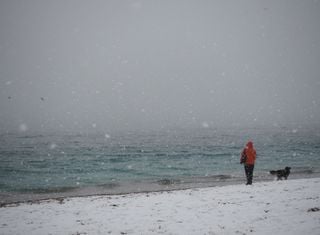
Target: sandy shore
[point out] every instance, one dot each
(277, 207)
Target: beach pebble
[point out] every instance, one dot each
(314, 209)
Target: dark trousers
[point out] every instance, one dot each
(249, 173)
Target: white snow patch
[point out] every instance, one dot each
(276, 207)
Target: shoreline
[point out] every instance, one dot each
(279, 207)
(164, 185)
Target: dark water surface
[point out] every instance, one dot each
(53, 165)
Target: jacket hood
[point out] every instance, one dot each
(250, 145)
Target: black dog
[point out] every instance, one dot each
(281, 173)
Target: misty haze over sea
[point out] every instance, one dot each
(122, 92)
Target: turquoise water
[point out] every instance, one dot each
(44, 163)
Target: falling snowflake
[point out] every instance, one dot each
(23, 127)
(205, 125)
(52, 146)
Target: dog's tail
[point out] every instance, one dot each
(273, 172)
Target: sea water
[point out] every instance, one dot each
(37, 165)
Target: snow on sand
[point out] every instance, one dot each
(278, 207)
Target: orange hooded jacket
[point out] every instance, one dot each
(251, 154)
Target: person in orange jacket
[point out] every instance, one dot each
(248, 158)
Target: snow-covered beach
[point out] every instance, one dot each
(276, 207)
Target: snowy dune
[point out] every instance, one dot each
(278, 207)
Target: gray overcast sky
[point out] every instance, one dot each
(108, 65)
